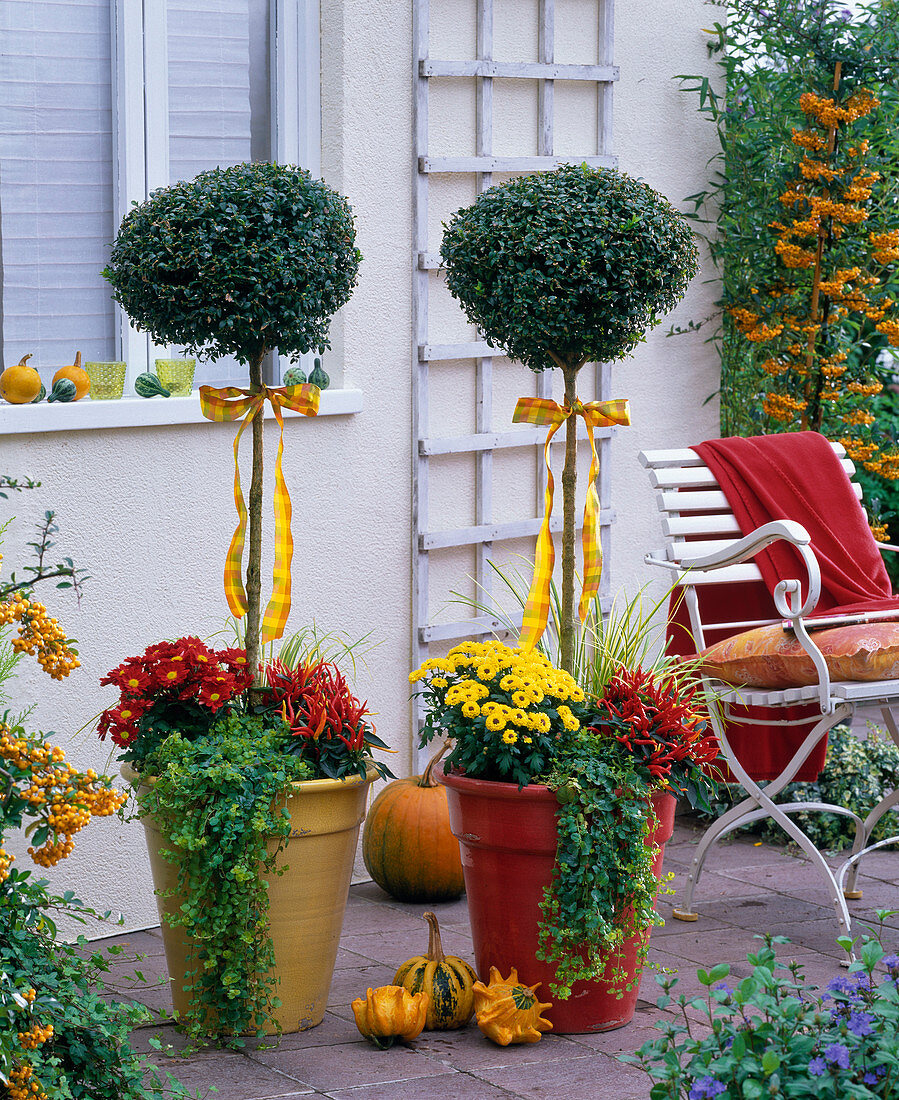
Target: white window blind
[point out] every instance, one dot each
(56, 200)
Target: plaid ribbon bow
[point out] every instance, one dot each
(231, 403)
(596, 414)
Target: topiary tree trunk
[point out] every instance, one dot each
(254, 540)
(569, 520)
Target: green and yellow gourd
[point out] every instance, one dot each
(148, 385)
(447, 980)
(295, 376)
(64, 389)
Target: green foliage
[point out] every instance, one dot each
(215, 801)
(46, 983)
(604, 887)
(774, 1035)
(89, 1056)
(768, 52)
(42, 568)
(236, 262)
(568, 266)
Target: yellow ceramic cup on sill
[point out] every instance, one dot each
(107, 380)
(176, 375)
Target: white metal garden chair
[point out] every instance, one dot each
(704, 547)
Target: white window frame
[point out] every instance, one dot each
(141, 115)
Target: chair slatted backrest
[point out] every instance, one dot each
(697, 518)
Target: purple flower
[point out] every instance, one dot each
(816, 1067)
(891, 962)
(725, 988)
(837, 1055)
(860, 1023)
(706, 1088)
(871, 1078)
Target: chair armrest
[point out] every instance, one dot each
(787, 593)
(785, 530)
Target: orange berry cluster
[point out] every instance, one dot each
(799, 329)
(39, 634)
(23, 1085)
(57, 794)
(35, 1036)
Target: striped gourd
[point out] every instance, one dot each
(447, 979)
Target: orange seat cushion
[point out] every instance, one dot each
(772, 657)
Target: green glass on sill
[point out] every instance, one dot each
(107, 380)
(176, 375)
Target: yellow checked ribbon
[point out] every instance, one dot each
(231, 403)
(596, 414)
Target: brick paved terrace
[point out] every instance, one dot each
(747, 888)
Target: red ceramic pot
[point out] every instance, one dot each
(507, 839)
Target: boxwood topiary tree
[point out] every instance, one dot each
(564, 268)
(239, 261)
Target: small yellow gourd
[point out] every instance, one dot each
(20, 384)
(509, 1012)
(447, 980)
(77, 374)
(390, 1014)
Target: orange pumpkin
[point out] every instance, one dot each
(407, 844)
(77, 374)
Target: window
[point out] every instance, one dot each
(104, 101)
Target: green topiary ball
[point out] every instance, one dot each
(237, 261)
(575, 263)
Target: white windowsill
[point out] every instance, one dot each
(141, 412)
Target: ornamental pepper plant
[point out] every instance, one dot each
(327, 723)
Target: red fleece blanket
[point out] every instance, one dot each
(789, 476)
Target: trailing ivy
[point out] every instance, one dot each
(216, 802)
(604, 888)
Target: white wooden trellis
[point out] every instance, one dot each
(483, 69)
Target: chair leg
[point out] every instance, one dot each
(757, 805)
(862, 838)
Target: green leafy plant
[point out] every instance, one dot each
(60, 1038)
(561, 268)
(216, 802)
(774, 1034)
(238, 261)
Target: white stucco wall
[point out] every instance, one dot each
(149, 512)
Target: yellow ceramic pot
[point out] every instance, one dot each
(306, 902)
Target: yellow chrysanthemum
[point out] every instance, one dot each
(510, 737)
(471, 710)
(495, 722)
